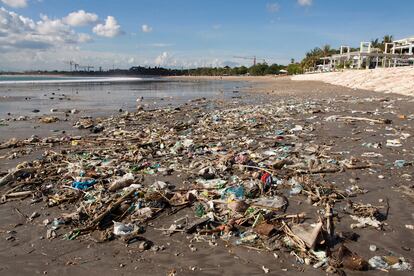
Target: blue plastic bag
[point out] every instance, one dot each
(83, 185)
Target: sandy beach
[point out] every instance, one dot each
(307, 119)
(206, 138)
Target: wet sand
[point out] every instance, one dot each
(18, 101)
(30, 253)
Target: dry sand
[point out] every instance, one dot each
(398, 80)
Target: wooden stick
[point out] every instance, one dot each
(19, 194)
(108, 210)
(258, 168)
(297, 216)
(333, 170)
(10, 177)
(380, 121)
(298, 241)
(172, 230)
(329, 223)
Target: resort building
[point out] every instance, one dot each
(397, 53)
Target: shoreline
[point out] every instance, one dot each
(255, 79)
(77, 80)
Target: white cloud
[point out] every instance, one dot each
(161, 45)
(272, 7)
(162, 59)
(154, 45)
(49, 26)
(57, 59)
(84, 38)
(217, 26)
(146, 29)
(48, 44)
(80, 18)
(19, 32)
(109, 29)
(305, 2)
(15, 3)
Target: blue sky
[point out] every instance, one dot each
(40, 34)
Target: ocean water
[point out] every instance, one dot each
(44, 79)
(102, 96)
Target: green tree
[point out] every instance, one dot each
(386, 39)
(242, 70)
(327, 50)
(294, 69)
(312, 58)
(375, 43)
(258, 69)
(274, 69)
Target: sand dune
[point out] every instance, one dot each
(398, 80)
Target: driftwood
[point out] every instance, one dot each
(258, 168)
(108, 210)
(13, 175)
(295, 239)
(18, 195)
(293, 217)
(333, 170)
(362, 119)
(329, 223)
(318, 171)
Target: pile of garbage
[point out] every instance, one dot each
(236, 169)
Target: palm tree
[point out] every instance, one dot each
(386, 39)
(375, 43)
(312, 58)
(326, 50)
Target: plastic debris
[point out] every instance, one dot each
(401, 163)
(296, 188)
(212, 183)
(122, 182)
(122, 229)
(242, 174)
(389, 262)
(265, 269)
(307, 233)
(235, 192)
(274, 203)
(365, 221)
(394, 143)
(83, 184)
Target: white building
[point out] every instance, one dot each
(397, 53)
(403, 46)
